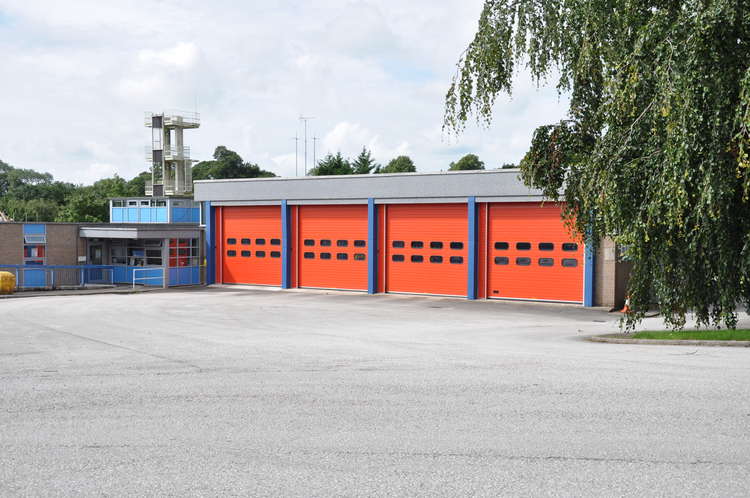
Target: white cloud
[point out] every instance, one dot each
(182, 56)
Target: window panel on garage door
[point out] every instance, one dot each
(426, 248)
(333, 241)
(251, 245)
(531, 254)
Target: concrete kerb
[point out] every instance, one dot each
(93, 292)
(624, 339)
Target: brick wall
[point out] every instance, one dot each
(11, 244)
(610, 275)
(63, 244)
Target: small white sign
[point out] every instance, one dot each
(81, 259)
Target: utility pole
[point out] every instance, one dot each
(296, 154)
(305, 119)
(315, 156)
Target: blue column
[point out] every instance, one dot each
(286, 247)
(588, 275)
(372, 247)
(210, 243)
(471, 291)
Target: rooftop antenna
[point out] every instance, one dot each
(305, 119)
(296, 154)
(315, 155)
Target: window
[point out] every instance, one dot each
(34, 254)
(501, 260)
(309, 242)
(360, 243)
(146, 203)
(260, 242)
(570, 246)
(457, 245)
(546, 262)
(245, 242)
(325, 255)
(342, 256)
(231, 253)
(436, 245)
(275, 242)
(275, 254)
(162, 203)
(397, 258)
(523, 261)
(546, 246)
(417, 258)
(132, 203)
(457, 260)
(570, 263)
(523, 246)
(118, 204)
(359, 257)
(182, 252)
(501, 246)
(310, 255)
(325, 243)
(436, 259)
(417, 244)
(245, 254)
(342, 243)
(231, 242)
(260, 254)
(398, 244)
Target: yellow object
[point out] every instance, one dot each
(7, 282)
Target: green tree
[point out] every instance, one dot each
(227, 164)
(655, 150)
(137, 186)
(401, 164)
(332, 165)
(364, 163)
(468, 162)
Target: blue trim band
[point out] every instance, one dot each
(285, 247)
(372, 247)
(588, 277)
(471, 291)
(210, 243)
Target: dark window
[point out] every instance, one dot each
(546, 246)
(360, 243)
(457, 260)
(501, 246)
(342, 243)
(417, 244)
(436, 259)
(417, 258)
(260, 242)
(309, 242)
(457, 245)
(501, 260)
(309, 255)
(325, 255)
(398, 243)
(275, 242)
(570, 263)
(231, 241)
(245, 242)
(359, 257)
(245, 254)
(398, 258)
(546, 262)
(342, 256)
(325, 243)
(260, 254)
(523, 246)
(523, 261)
(231, 254)
(275, 254)
(570, 246)
(436, 245)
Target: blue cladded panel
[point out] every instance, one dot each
(120, 275)
(471, 291)
(372, 247)
(34, 277)
(210, 236)
(144, 215)
(132, 215)
(34, 229)
(118, 215)
(285, 247)
(188, 275)
(588, 277)
(160, 215)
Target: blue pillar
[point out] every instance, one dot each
(471, 291)
(588, 276)
(210, 242)
(372, 247)
(286, 248)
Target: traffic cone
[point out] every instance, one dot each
(626, 308)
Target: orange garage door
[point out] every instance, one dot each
(531, 254)
(426, 248)
(332, 242)
(251, 245)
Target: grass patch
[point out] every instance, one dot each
(695, 335)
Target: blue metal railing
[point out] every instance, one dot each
(60, 276)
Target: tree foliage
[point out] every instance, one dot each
(401, 164)
(227, 164)
(655, 151)
(364, 163)
(467, 163)
(332, 165)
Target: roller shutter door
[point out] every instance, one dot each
(332, 247)
(251, 245)
(426, 249)
(531, 254)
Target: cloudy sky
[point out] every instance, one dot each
(78, 75)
